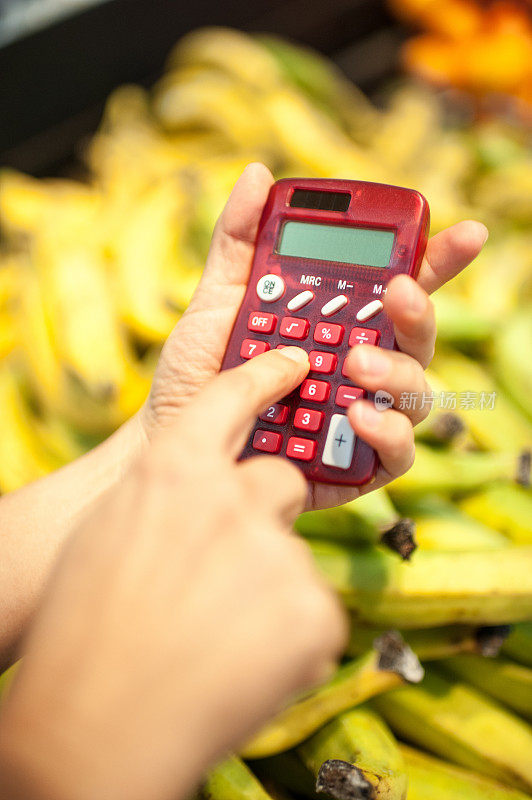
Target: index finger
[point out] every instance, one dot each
(449, 251)
(227, 408)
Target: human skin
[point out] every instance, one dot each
(37, 520)
(181, 615)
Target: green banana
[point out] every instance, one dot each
(432, 779)
(457, 722)
(456, 472)
(355, 757)
(436, 643)
(505, 507)
(518, 645)
(369, 519)
(458, 322)
(511, 369)
(287, 770)
(506, 681)
(500, 428)
(354, 682)
(233, 780)
(438, 588)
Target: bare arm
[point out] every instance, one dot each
(35, 521)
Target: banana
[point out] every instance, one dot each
(506, 508)
(438, 588)
(369, 519)
(514, 372)
(287, 770)
(500, 428)
(519, 643)
(507, 682)
(441, 526)
(459, 723)
(233, 780)
(373, 672)
(456, 472)
(355, 757)
(435, 643)
(459, 323)
(432, 779)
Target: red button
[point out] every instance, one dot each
(303, 449)
(261, 323)
(318, 391)
(294, 328)
(363, 336)
(345, 395)
(308, 419)
(322, 362)
(276, 414)
(267, 441)
(253, 347)
(327, 333)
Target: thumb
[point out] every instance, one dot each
(227, 408)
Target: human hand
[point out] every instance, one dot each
(180, 617)
(195, 349)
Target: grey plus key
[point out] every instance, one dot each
(338, 450)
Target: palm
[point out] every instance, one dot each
(194, 351)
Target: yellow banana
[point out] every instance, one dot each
(511, 369)
(432, 779)
(373, 672)
(459, 723)
(233, 780)
(438, 588)
(507, 682)
(355, 757)
(506, 507)
(369, 519)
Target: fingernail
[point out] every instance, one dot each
(295, 354)
(486, 234)
(369, 415)
(372, 362)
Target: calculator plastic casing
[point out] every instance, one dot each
(372, 205)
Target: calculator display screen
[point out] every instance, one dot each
(365, 246)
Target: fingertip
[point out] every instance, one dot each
(405, 295)
(296, 354)
(469, 237)
(364, 417)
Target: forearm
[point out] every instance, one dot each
(36, 520)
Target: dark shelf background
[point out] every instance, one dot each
(55, 81)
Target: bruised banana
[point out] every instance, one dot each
(488, 587)
(505, 507)
(457, 472)
(355, 757)
(507, 682)
(519, 643)
(354, 682)
(460, 723)
(432, 779)
(436, 643)
(233, 780)
(369, 519)
(501, 427)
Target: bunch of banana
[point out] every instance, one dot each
(94, 275)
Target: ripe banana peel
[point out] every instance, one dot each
(354, 682)
(430, 778)
(355, 757)
(459, 723)
(506, 507)
(506, 681)
(233, 780)
(487, 587)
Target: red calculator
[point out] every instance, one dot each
(324, 254)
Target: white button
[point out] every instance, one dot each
(300, 300)
(369, 311)
(338, 450)
(270, 288)
(334, 305)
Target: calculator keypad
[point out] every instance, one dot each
(328, 333)
(267, 441)
(302, 449)
(318, 391)
(253, 347)
(294, 328)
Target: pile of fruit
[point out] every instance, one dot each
(93, 276)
